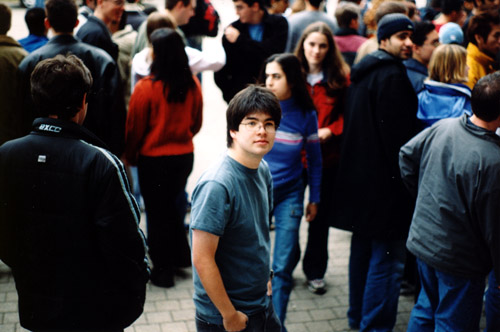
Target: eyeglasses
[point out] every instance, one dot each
(255, 126)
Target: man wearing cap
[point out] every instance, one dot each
(370, 198)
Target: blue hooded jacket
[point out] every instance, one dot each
(442, 100)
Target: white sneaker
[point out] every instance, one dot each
(317, 286)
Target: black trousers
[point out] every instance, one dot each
(315, 259)
(162, 181)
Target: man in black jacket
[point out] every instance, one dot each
(248, 42)
(106, 113)
(370, 199)
(68, 222)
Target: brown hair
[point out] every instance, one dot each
(158, 20)
(334, 66)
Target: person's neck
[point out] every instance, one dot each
(247, 161)
(98, 14)
(257, 17)
(491, 126)
(419, 59)
(57, 33)
(315, 69)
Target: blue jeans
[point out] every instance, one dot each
(446, 302)
(375, 272)
(288, 211)
(492, 305)
(265, 321)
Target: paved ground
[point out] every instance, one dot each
(170, 310)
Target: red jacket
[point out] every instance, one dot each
(330, 115)
(156, 127)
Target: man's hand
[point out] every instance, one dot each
(231, 34)
(311, 211)
(235, 322)
(269, 288)
(324, 134)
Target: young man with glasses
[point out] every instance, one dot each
(230, 215)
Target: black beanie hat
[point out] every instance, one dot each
(392, 23)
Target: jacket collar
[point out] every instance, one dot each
(461, 88)
(67, 129)
(63, 39)
(484, 59)
(478, 131)
(346, 32)
(415, 65)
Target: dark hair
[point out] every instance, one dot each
(157, 20)
(334, 66)
(481, 25)
(251, 2)
(315, 3)
(170, 64)
(449, 6)
(252, 99)
(295, 78)
(35, 18)
(59, 84)
(5, 18)
(485, 99)
(420, 32)
(345, 13)
(170, 4)
(62, 14)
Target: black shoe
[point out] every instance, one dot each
(407, 288)
(162, 278)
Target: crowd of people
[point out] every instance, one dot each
(387, 114)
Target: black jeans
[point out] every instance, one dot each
(315, 258)
(162, 181)
(264, 321)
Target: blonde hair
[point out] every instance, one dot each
(448, 63)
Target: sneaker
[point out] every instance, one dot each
(317, 286)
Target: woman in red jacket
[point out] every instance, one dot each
(165, 112)
(327, 81)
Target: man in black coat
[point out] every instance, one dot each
(370, 199)
(106, 114)
(248, 42)
(69, 225)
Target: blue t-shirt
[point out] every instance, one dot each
(235, 203)
(256, 31)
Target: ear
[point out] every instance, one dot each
(178, 5)
(255, 6)
(77, 22)
(47, 23)
(232, 133)
(479, 39)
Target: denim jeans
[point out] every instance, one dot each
(375, 273)
(265, 321)
(446, 302)
(288, 211)
(492, 305)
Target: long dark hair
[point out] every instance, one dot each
(294, 77)
(170, 64)
(334, 66)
